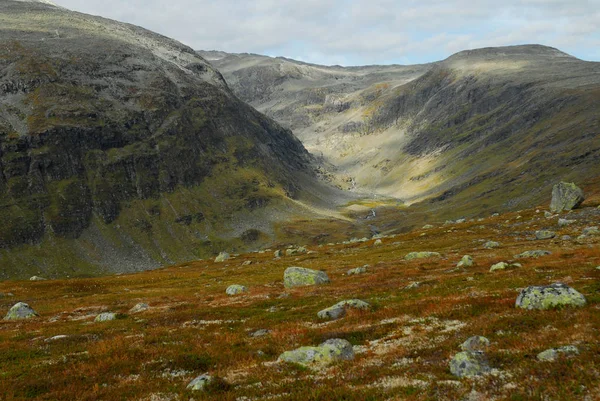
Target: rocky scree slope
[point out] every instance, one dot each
(485, 129)
(121, 149)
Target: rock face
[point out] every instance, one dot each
(299, 277)
(566, 196)
(422, 255)
(20, 311)
(236, 289)
(469, 364)
(553, 354)
(125, 153)
(329, 352)
(199, 383)
(548, 297)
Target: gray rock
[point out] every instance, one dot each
(499, 266)
(199, 383)
(421, 255)
(247, 263)
(491, 245)
(332, 313)
(427, 227)
(548, 297)
(278, 253)
(566, 238)
(544, 234)
(105, 317)
(20, 311)
(222, 257)
(37, 278)
(141, 307)
(295, 251)
(466, 261)
(591, 231)
(412, 285)
(378, 243)
(299, 276)
(469, 364)
(260, 333)
(329, 352)
(565, 196)
(475, 344)
(354, 303)
(565, 222)
(533, 254)
(548, 215)
(236, 289)
(358, 270)
(553, 354)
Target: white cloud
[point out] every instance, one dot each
(362, 31)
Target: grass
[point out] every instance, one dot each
(403, 345)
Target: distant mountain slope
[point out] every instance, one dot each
(121, 149)
(482, 130)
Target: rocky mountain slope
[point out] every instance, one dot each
(484, 129)
(121, 149)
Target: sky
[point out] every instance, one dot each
(361, 32)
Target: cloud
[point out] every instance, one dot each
(361, 31)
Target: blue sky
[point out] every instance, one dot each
(360, 32)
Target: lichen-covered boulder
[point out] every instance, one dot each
(550, 296)
(553, 354)
(466, 261)
(299, 277)
(499, 266)
(141, 307)
(469, 364)
(533, 254)
(491, 245)
(222, 257)
(199, 383)
(475, 344)
(354, 303)
(332, 313)
(565, 196)
(105, 317)
(422, 255)
(236, 289)
(544, 234)
(357, 270)
(20, 311)
(329, 352)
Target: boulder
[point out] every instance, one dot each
(295, 251)
(469, 364)
(354, 303)
(358, 270)
(222, 257)
(466, 261)
(260, 333)
(499, 266)
(37, 278)
(329, 352)
(199, 383)
(533, 254)
(332, 313)
(565, 196)
(278, 253)
(422, 255)
(378, 243)
(20, 311)
(299, 277)
(141, 307)
(475, 344)
(105, 317)
(236, 289)
(553, 354)
(550, 296)
(565, 222)
(544, 234)
(491, 245)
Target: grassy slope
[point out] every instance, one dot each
(403, 345)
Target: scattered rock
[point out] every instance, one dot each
(491, 245)
(295, 251)
(260, 333)
(299, 276)
(565, 196)
(56, 338)
(378, 243)
(466, 261)
(278, 253)
(236, 289)
(354, 303)
(469, 364)
(413, 285)
(566, 238)
(222, 257)
(358, 270)
(37, 278)
(329, 352)
(332, 313)
(105, 317)
(422, 255)
(475, 344)
(200, 382)
(548, 215)
(533, 254)
(553, 354)
(499, 266)
(141, 307)
(247, 263)
(427, 227)
(20, 311)
(550, 296)
(591, 231)
(544, 234)
(565, 222)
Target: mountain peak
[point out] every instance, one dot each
(533, 50)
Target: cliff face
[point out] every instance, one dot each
(121, 149)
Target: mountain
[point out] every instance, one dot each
(485, 129)
(121, 150)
